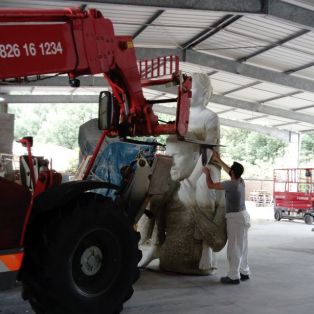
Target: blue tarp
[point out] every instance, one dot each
(115, 156)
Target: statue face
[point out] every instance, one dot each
(183, 160)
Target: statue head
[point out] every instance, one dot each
(202, 90)
(184, 157)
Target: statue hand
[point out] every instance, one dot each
(151, 254)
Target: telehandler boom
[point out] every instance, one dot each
(76, 251)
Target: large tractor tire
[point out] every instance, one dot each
(81, 259)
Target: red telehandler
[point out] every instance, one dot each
(76, 251)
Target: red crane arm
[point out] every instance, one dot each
(76, 42)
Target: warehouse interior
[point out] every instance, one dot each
(259, 57)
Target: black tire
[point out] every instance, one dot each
(308, 219)
(81, 260)
(278, 215)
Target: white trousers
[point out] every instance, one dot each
(237, 248)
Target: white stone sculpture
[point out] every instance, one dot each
(190, 218)
(204, 126)
(203, 123)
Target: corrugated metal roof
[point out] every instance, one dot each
(188, 19)
(263, 28)
(159, 36)
(290, 103)
(282, 59)
(235, 115)
(247, 35)
(303, 43)
(194, 68)
(307, 73)
(230, 45)
(232, 78)
(252, 94)
(309, 111)
(275, 88)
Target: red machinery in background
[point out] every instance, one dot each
(76, 251)
(293, 194)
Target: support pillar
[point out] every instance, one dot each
(7, 278)
(6, 129)
(292, 153)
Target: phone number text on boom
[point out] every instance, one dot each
(30, 49)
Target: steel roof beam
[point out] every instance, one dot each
(230, 66)
(240, 88)
(279, 134)
(247, 70)
(259, 107)
(198, 58)
(302, 108)
(273, 8)
(278, 43)
(273, 132)
(221, 100)
(291, 12)
(300, 68)
(245, 6)
(148, 23)
(50, 99)
(281, 96)
(257, 117)
(212, 30)
(286, 123)
(307, 131)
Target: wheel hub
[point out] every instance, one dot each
(91, 260)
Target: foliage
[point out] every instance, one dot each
(255, 151)
(52, 123)
(59, 124)
(252, 147)
(307, 149)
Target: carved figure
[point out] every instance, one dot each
(190, 218)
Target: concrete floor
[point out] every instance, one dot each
(281, 256)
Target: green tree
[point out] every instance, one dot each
(244, 145)
(307, 148)
(255, 151)
(265, 148)
(52, 123)
(235, 143)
